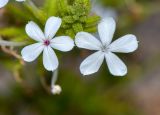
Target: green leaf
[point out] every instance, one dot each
(12, 32)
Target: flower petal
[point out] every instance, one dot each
(3, 3)
(115, 65)
(31, 52)
(62, 43)
(50, 60)
(87, 41)
(92, 63)
(33, 31)
(106, 30)
(52, 26)
(125, 44)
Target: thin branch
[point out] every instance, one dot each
(10, 51)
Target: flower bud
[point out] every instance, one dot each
(56, 89)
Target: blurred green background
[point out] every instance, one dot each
(24, 89)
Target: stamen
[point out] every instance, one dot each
(46, 42)
(104, 49)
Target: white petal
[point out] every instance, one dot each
(125, 44)
(3, 3)
(52, 26)
(62, 43)
(106, 30)
(92, 63)
(87, 41)
(33, 31)
(50, 60)
(115, 65)
(31, 52)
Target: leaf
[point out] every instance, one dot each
(12, 32)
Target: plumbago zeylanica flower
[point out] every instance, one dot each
(46, 42)
(4, 2)
(105, 49)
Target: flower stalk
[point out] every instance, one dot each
(10, 43)
(55, 89)
(36, 12)
(5, 44)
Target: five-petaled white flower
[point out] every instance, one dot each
(4, 2)
(105, 49)
(46, 42)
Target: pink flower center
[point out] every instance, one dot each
(46, 42)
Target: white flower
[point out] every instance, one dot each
(46, 42)
(4, 2)
(105, 49)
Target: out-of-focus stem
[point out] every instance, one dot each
(36, 12)
(10, 44)
(7, 47)
(17, 76)
(10, 51)
(29, 2)
(54, 77)
(54, 89)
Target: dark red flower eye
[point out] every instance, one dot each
(46, 42)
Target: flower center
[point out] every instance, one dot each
(46, 42)
(104, 49)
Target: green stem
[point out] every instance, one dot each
(36, 12)
(32, 5)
